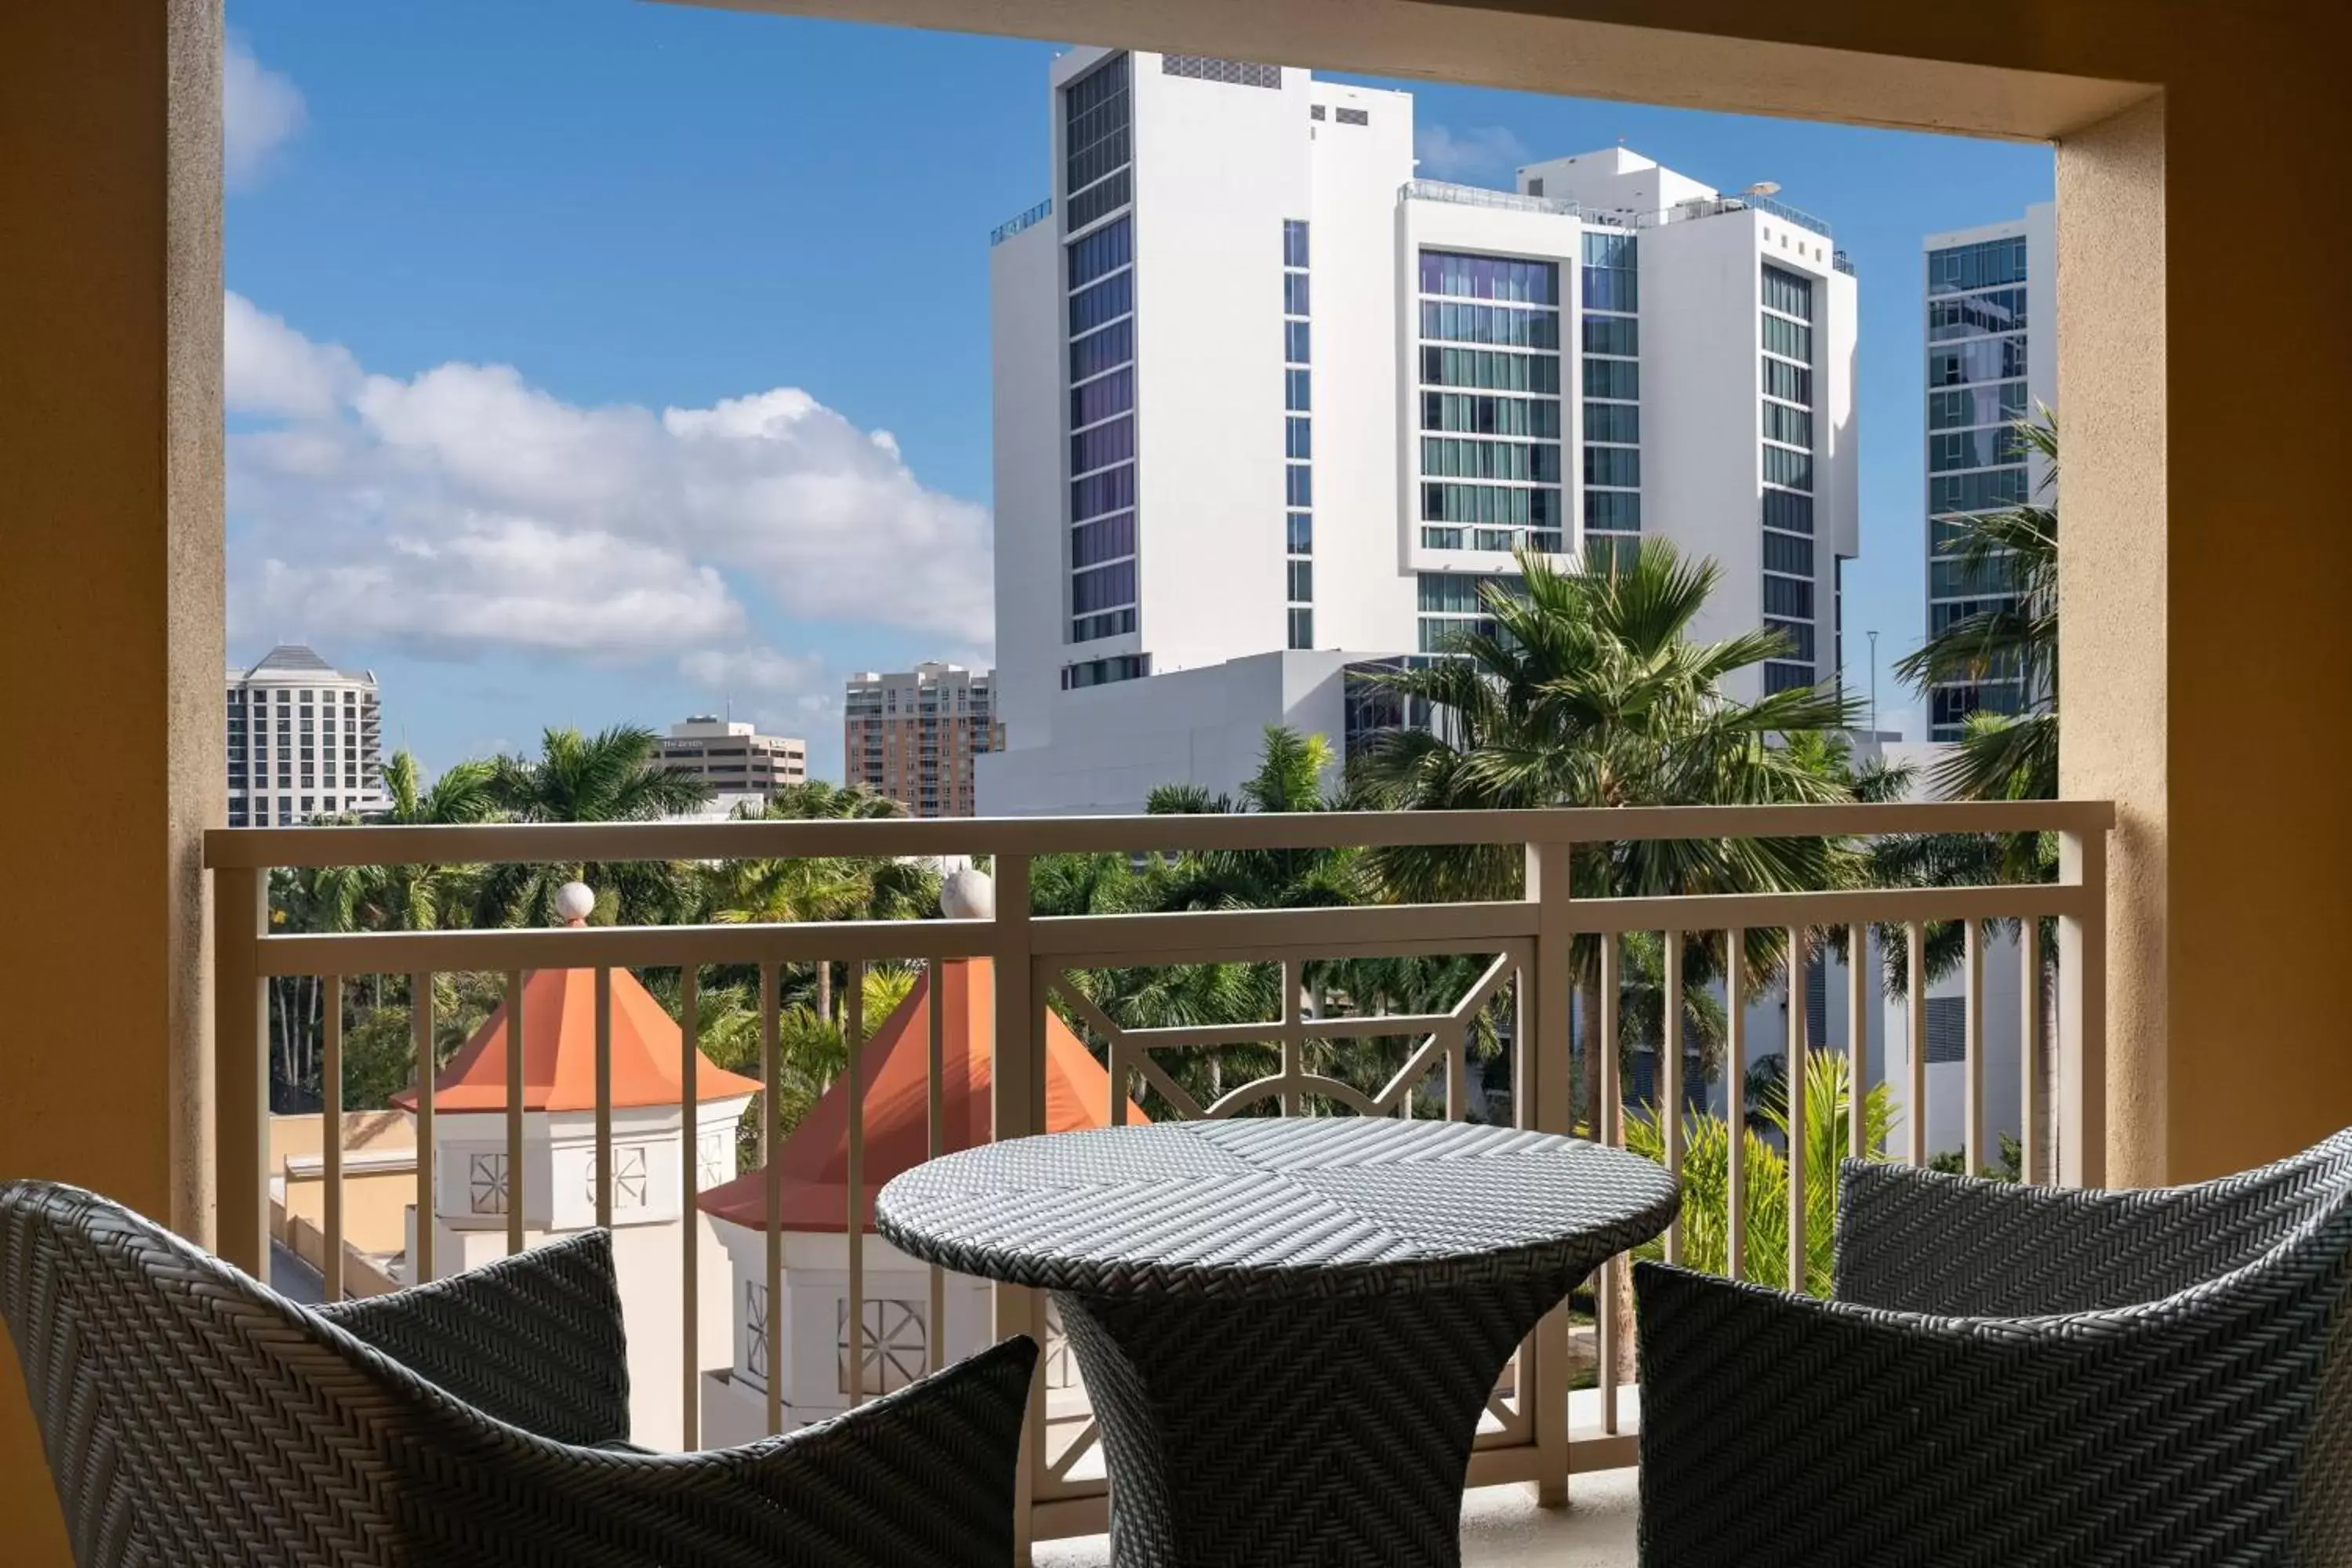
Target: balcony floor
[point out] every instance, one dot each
(1501, 1528)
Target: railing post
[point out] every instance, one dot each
(1017, 1087)
(1547, 995)
(2082, 1012)
(241, 1066)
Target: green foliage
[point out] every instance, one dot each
(2009, 1167)
(1707, 1177)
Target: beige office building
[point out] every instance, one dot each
(912, 735)
(736, 762)
(305, 740)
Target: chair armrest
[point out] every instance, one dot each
(1783, 1432)
(535, 1339)
(920, 1478)
(1923, 1241)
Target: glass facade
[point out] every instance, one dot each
(1489, 325)
(1787, 466)
(1098, 256)
(1298, 440)
(1977, 391)
(1611, 329)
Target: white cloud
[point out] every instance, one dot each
(1448, 154)
(463, 511)
(260, 111)
(272, 369)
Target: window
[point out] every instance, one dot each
(1618, 335)
(1475, 415)
(1988, 264)
(1616, 378)
(1987, 492)
(1315, 112)
(1097, 201)
(1787, 510)
(1617, 466)
(1301, 581)
(1298, 390)
(1293, 293)
(1294, 342)
(1611, 275)
(1790, 293)
(1299, 529)
(1111, 490)
(1294, 231)
(1298, 437)
(1496, 370)
(1489, 278)
(1783, 466)
(1977, 405)
(1490, 504)
(1789, 383)
(1488, 459)
(1353, 117)
(1787, 339)
(1799, 633)
(1984, 359)
(1101, 253)
(1103, 446)
(1507, 325)
(1977, 315)
(1786, 596)
(1106, 539)
(1098, 400)
(1105, 671)
(1782, 553)
(1098, 351)
(1208, 68)
(1996, 448)
(1611, 422)
(1613, 511)
(1299, 482)
(1105, 301)
(1793, 425)
(1952, 579)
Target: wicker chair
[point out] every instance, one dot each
(192, 1415)
(2017, 1375)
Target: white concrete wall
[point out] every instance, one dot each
(1024, 326)
(1360, 599)
(1114, 744)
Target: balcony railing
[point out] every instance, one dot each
(1521, 975)
(1014, 225)
(1480, 196)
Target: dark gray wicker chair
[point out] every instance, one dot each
(192, 1415)
(2017, 1375)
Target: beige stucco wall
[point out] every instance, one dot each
(2203, 674)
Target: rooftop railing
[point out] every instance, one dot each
(1014, 225)
(1525, 961)
(1480, 196)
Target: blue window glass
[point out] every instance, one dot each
(1105, 251)
(1299, 527)
(1111, 490)
(1788, 512)
(1302, 627)
(1102, 445)
(1293, 293)
(1102, 588)
(1784, 467)
(1301, 581)
(1613, 511)
(1800, 633)
(1298, 439)
(1612, 422)
(1106, 539)
(1786, 596)
(1620, 378)
(1293, 343)
(1298, 390)
(1616, 465)
(1112, 297)
(1294, 242)
(1299, 481)
(1099, 351)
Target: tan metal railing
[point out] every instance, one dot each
(1527, 942)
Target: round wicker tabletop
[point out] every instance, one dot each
(1288, 1328)
(1275, 1206)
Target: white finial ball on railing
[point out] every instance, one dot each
(967, 895)
(574, 902)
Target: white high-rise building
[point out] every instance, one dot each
(305, 740)
(1992, 317)
(1258, 389)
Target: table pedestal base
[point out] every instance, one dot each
(1303, 1432)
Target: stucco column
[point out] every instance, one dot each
(110, 619)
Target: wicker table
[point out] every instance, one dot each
(1288, 1328)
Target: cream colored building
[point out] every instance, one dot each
(305, 740)
(733, 758)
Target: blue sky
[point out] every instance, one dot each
(562, 347)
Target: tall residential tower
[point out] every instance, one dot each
(305, 740)
(914, 734)
(1260, 392)
(1991, 362)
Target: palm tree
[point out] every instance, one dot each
(614, 776)
(836, 887)
(1586, 690)
(1290, 778)
(2012, 557)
